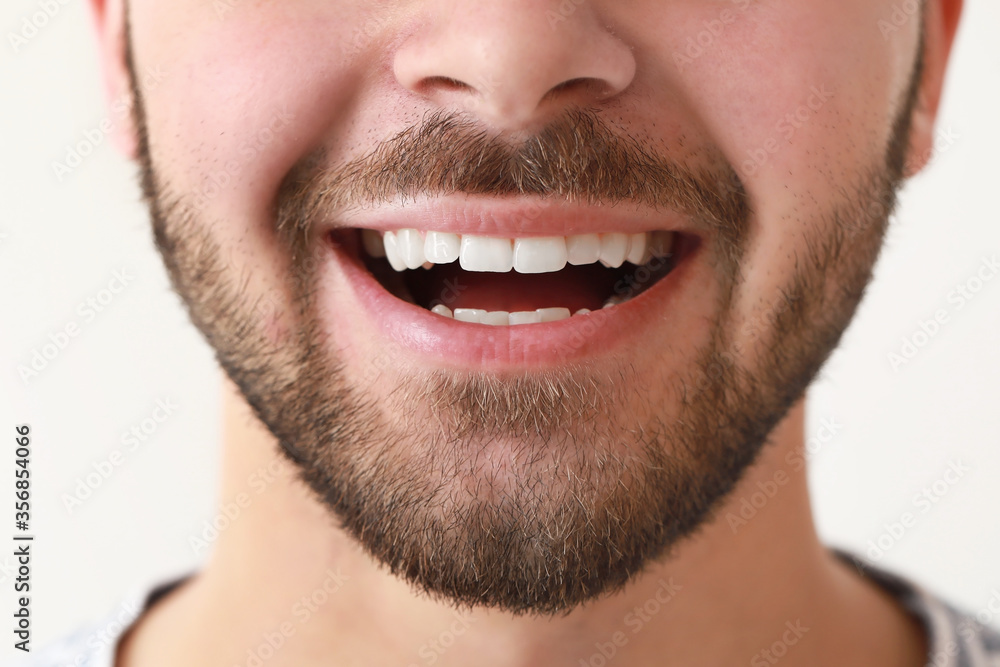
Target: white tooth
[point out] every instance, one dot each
(552, 314)
(473, 315)
(488, 254)
(525, 317)
(647, 255)
(392, 252)
(442, 310)
(411, 247)
(637, 248)
(613, 249)
(583, 249)
(615, 300)
(497, 318)
(442, 247)
(540, 255)
(661, 243)
(582, 311)
(372, 242)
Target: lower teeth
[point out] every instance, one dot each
(615, 301)
(503, 318)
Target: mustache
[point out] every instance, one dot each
(576, 157)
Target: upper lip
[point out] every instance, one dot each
(512, 217)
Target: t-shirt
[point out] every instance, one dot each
(955, 638)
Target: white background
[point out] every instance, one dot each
(62, 240)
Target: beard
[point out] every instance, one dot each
(527, 492)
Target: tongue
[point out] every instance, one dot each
(574, 287)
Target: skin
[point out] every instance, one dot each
(229, 76)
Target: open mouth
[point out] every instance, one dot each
(513, 281)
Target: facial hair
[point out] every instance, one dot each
(586, 498)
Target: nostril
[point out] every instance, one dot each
(445, 83)
(566, 85)
(589, 86)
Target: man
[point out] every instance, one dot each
(518, 301)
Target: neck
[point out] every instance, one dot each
(285, 586)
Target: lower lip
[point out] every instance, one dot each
(444, 341)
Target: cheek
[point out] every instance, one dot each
(246, 93)
(795, 93)
(801, 97)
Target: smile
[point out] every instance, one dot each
(451, 286)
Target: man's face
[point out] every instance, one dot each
(754, 146)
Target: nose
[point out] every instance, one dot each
(512, 63)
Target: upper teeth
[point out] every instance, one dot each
(410, 248)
